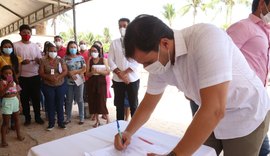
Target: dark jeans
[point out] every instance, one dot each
(55, 101)
(30, 92)
(119, 97)
(265, 149)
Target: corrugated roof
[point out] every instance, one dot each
(14, 13)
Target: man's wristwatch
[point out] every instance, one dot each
(172, 153)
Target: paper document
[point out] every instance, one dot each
(79, 80)
(138, 146)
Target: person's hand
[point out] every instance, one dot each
(71, 73)
(37, 60)
(74, 77)
(123, 76)
(10, 84)
(26, 61)
(94, 71)
(55, 78)
(122, 144)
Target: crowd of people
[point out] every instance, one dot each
(57, 77)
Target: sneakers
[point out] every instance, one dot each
(62, 126)
(67, 122)
(40, 121)
(50, 127)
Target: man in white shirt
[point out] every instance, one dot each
(29, 79)
(203, 62)
(125, 74)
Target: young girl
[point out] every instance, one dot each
(10, 102)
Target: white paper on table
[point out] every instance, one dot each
(137, 147)
(79, 80)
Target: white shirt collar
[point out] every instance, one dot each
(179, 43)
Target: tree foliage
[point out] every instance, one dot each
(169, 13)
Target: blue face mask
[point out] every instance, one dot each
(7, 51)
(72, 51)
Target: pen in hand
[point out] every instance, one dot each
(119, 132)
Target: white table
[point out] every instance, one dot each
(87, 142)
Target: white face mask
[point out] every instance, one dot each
(52, 54)
(122, 31)
(8, 51)
(94, 54)
(265, 18)
(83, 47)
(157, 67)
(58, 44)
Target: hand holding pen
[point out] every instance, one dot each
(121, 139)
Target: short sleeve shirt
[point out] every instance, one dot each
(28, 51)
(56, 66)
(206, 56)
(75, 63)
(5, 60)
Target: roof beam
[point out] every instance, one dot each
(10, 11)
(66, 4)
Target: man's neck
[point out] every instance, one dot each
(58, 48)
(25, 42)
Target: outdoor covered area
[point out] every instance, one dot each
(14, 13)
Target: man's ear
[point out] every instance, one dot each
(164, 42)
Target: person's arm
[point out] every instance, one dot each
(42, 73)
(141, 115)
(64, 70)
(133, 66)
(111, 57)
(5, 87)
(212, 110)
(88, 73)
(78, 71)
(107, 70)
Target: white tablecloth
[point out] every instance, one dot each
(96, 139)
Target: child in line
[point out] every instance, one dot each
(10, 102)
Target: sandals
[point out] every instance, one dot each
(20, 138)
(96, 124)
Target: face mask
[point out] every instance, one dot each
(94, 54)
(72, 51)
(7, 51)
(52, 54)
(83, 47)
(26, 37)
(58, 44)
(122, 31)
(157, 67)
(265, 18)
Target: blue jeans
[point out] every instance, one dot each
(75, 93)
(54, 102)
(265, 147)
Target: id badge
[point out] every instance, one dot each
(52, 71)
